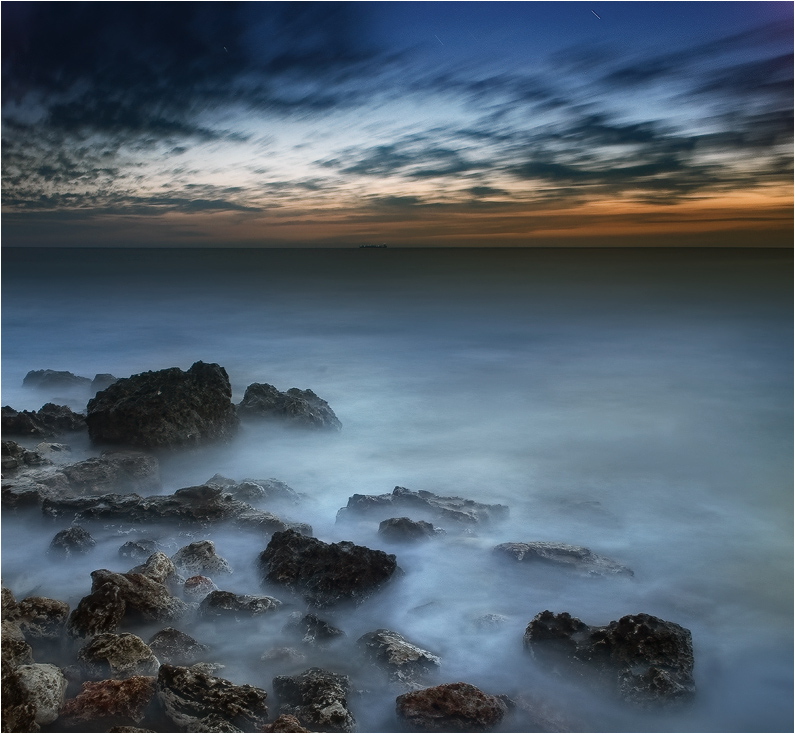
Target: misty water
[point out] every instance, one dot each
(637, 402)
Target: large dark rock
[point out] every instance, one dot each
(41, 618)
(317, 698)
(55, 380)
(644, 659)
(325, 573)
(573, 557)
(450, 707)
(176, 648)
(457, 509)
(403, 661)
(406, 530)
(101, 381)
(100, 611)
(165, 409)
(115, 656)
(104, 704)
(295, 407)
(48, 421)
(195, 701)
(72, 541)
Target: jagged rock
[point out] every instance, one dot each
(195, 701)
(8, 604)
(114, 471)
(60, 418)
(175, 647)
(14, 649)
(117, 656)
(457, 509)
(285, 723)
(138, 549)
(160, 568)
(102, 381)
(40, 618)
(312, 630)
(48, 421)
(256, 490)
(165, 409)
(227, 604)
(18, 713)
(16, 457)
(574, 557)
(44, 686)
(197, 587)
(403, 529)
(199, 558)
(30, 487)
(106, 702)
(100, 611)
(295, 407)
(450, 707)
(644, 659)
(403, 661)
(267, 522)
(325, 573)
(317, 698)
(54, 380)
(72, 541)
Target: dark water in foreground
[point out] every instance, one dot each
(636, 402)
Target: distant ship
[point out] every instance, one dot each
(371, 246)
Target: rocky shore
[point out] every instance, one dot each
(135, 653)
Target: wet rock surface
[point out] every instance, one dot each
(200, 558)
(403, 529)
(317, 698)
(109, 703)
(138, 549)
(165, 409)
(71, 541)
(256, 490)
(301, 408)
(573, 557)
(450, 707)
(403, 661)
(50, 420)
(195, 701)
(644, 659)
(117, 656)
(460, 511)
(228, 605)
(16, 457)
(175, 647)
(325, 573)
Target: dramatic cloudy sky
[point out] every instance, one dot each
(427, 123)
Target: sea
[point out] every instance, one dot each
(636, 401)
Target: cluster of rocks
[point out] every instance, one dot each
(98, 667)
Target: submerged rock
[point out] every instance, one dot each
(312, 630)
(644, 659)
(48, 421)
(72, 541)
(403, 661)
(138, 549)
(101, 704)
(317, 698)
(117, 656)
(295, 407)
(403, 529)
(195, 701)
(325, 573)
(227, 604)
(200, 558)
(16, 457)
(574, 557)
(197, 587)
(457, 509)
(176, 648)
(165, 409)
(114, 471)
(450, 707)
(256, 490)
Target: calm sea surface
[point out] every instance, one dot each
(638, 402)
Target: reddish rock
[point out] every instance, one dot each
(285, 723)
(110, 702)
(450, 707)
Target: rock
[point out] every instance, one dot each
(312, 630)
(573, 557)
(644, 659)
(102, 381)
(403, 529)
(323, 573)
(457, 509)
(288, 655)
(197, 587)
(114, 471)
(54, 380)
(16, 457)
(8, 606)
(490, 621)
(160, 568)
(256, 490)
(117, 656)
(200, 558)
(450, 707)
(317, 698)
(40, 618)
(60, 418)
(267, 522)
(403, 661)
(138, 549)
(100, 611)
(14, 648)
(22, 423)
(285, 723)
(165, 409)
(295, 407)
(176, 648)
(49, 450)
(197, 702)
(44, 687)
(18, 713)
(72, 541)
(106, 702)
(227, 604)
(46, 422)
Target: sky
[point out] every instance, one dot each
(410, 124)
